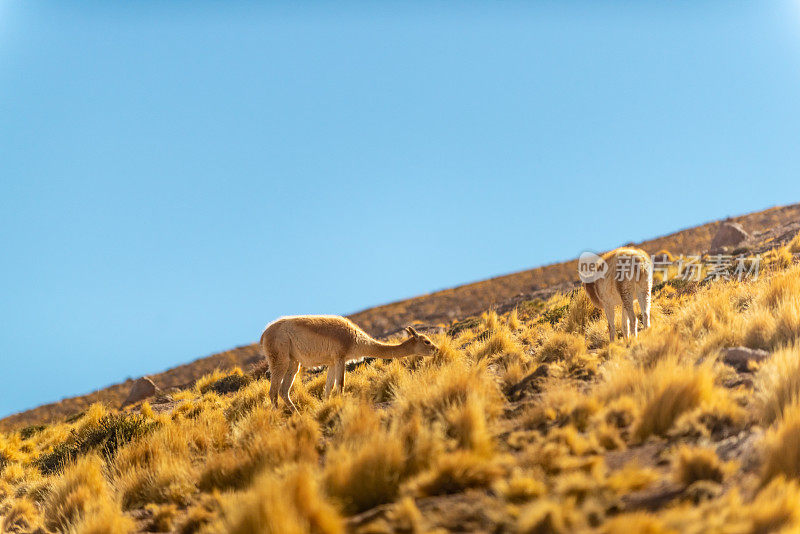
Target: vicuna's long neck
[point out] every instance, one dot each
(386, 351)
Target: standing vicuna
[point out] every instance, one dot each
(331, 340)
(628, 275)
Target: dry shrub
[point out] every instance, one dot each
(778, 383)
(261, 446)
(22, 516)
(779, 287)
(721, 416)
(787, 323)
(546, 516)
(208, 432)
(520, 488)
(698, 463)
(248, 398)
(596, 333)
(106, 520)
(448, 350)
(712, 310)
(466, 423)
(378, 381)
(562, 347)
(162, 517)
(287, 504)
(608, 436)
(580, 313)
(677, 390)
(490, 320)
(775, 508)
(759, 328)
(168, 441)
(406, 517)
(777, 259)
(636, 522)
(432, 392)
(328, 414)
(794, 244)
(663, 342)
(223, 383)
(82, 492)
(782, 446)
(632, 477)
(366, 468)
(623, 378)
(201, 514)
(203, 383)
(456, 472)
(165, 480)
(500, 341)
(664, 392)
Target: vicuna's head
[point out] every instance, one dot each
(420, 343)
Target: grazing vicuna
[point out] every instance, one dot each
(331, 340)
(629, 275)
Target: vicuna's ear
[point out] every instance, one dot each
(412, 332)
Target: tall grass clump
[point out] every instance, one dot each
(432, 392)
(778, 383)
(105, 435)
(562, 347)
(290, 503)
(697, 463)
(261, 445)
(781, 450)
(369, 462)
(675, 392)
(580, 313)
(81, 492)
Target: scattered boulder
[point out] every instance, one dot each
(729, 234)
(143, 388)
(742, 358)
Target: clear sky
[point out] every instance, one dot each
(175, 175)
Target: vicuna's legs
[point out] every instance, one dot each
(330, 381)
(288, 380)
(612, 334)
(628, 315)
(340, 366)
(644, 303)
(277, 370)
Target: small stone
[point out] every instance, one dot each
(742, 358)
(143, 388)
(729, 234)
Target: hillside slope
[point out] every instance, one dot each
(527, 421)
(771, 226)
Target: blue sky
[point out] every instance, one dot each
(174, 175)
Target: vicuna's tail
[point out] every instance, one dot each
(591, 290)
(264, 345)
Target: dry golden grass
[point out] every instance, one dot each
(675, 392)
(20, 516)
(456, 472)
(779, 383)
(782, 446)
(794, 244)
(697, 463)
(425, 444)
(281, 504)
(81, 500)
